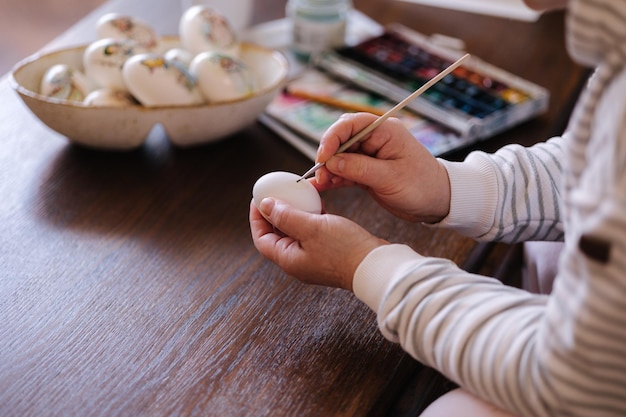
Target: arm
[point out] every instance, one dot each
(530, 354)
(471, 328)
(537, 355)
(512, 195)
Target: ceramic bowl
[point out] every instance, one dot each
(119, 128)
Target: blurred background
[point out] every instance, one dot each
(28, 25)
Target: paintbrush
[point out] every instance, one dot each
(368, 129)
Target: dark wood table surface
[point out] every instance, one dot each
(129, 285)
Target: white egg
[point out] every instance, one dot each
(155, 81)
(180, 55)
(222, 77)
(105, 97)
(62, 82)
(103, 61)
(203, 29)
(285, 186)
(120, 26)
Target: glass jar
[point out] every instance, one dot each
(317, 25)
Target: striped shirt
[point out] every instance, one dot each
(562, 354)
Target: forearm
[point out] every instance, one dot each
(530, 354)
(470, 328)
(510, 196)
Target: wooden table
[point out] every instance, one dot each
(129, 285)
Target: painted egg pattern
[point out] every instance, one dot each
(119, 26)
(222, 77)
(179, 55)
(104, 59)
(120, 70)
(105, 97)
(64, 83)
(155, 81)
(203, 29)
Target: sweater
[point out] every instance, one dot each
(562, 354)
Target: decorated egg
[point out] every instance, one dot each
(222, 77)
(103, 61)
(119, 26)
(285, 186)
(62, 82)
(155, 81)
(180, 55)
(203, 29)
(105, 97)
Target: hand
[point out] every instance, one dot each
(317, 249)
(390, 163)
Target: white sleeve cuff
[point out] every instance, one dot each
(378, 271)
(473, 196)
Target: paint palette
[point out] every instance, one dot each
(477, 100)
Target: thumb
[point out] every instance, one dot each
(284, 217)
(361, 169)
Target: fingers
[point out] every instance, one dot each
(274, 214)
(341, 131)
(294, 223)
(260, 226)
(378, 144)
(353, 167)
(263, 232)
(265, 237)
(316, 249)
(364, 170)
(284, 246)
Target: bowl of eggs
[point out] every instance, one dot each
(201, 86)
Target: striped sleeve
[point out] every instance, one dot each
(512, 195)
(556, 355)
(533, 355)
(475, 330)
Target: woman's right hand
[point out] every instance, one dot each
(397, 170)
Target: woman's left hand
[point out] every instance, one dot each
(322, 249)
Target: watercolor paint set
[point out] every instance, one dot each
(477, 100)
(302, 121)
